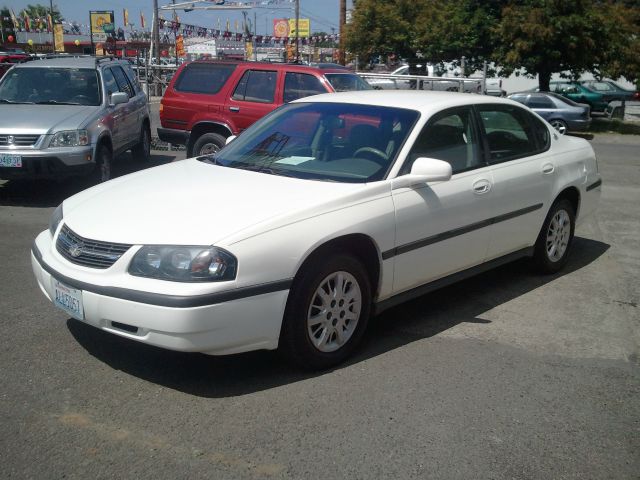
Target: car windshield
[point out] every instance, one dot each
(347, 82)
(51, 86)
(337, 142)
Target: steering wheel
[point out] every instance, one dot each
(371, 153)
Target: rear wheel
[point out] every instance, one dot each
(327, 312)
(207, 144)
(555, 238)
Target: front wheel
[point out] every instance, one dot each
(555, 238)
(560, 126)
(327, 312)
(104, 159)
(142, 151)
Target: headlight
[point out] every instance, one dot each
(184, 264)
(70, 138)
(55, 220)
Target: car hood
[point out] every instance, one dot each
(42, 119)
(191, 202)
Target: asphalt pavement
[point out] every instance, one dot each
(509, 375)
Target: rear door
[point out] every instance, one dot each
(130, 119)
(253, 97)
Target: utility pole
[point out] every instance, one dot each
(155, 31)
(343, 21)
(298, 30)
(53, 30)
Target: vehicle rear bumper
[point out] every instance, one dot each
(579, 125)
(174, 136)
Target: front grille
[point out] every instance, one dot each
(88, 253)
(18, 140)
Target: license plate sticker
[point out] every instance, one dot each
(68, 299)
(7, 160)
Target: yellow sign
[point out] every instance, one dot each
(304, 27)
(99, 20)
(248, 50)
(58, 37)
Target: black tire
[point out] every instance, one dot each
(208, 143)
(297, 331)
(554, 243)
(104, 163)
(142, 151)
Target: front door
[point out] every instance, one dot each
(442, 227)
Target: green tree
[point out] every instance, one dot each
(39, 11)
(382, 28)
(6, 24)
(323, 43)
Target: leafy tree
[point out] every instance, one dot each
(39, 11)
(6, 24)
(382, 28)
(323, 43)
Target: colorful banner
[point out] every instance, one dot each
(180, 46)
(58, 37)
(125, 17)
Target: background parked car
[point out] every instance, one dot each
(581, 94)
(390, 83)
(208, 101)
(562, 113)
(611, 90)
(69, 116)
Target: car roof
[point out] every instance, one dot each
(290, 67)
(70, 62)
(426, 102)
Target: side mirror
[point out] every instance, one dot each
(424, 170)
(230, 139)
(118, 98)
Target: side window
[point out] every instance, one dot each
(299, 85)
(121, 80)
(203, 78)
(110, 84)
(132, 78)
(450, 136)
(538, 101)
(519, 98)
(256, 86)
(511, 132)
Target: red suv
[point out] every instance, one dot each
(208, 101)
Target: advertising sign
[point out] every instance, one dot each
(102, 23)
(286, 27)
(58, 37)
(180, 46)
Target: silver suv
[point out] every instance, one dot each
(70, 115)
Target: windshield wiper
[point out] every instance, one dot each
(56, 102)
(4, 100)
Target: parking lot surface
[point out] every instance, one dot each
(506, 375)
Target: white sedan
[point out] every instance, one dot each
(325, 212)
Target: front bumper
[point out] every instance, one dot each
(49, 163)
(240, 324)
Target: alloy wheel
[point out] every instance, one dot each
(558, 235)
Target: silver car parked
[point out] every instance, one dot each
(70, 115)
(561, 112)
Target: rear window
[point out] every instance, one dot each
(203, 78)
(347, 82)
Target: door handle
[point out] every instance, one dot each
(548, 169)
(234, 109)
(481, 186)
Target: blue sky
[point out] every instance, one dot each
(323, 13)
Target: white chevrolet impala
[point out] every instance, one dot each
(326, 211)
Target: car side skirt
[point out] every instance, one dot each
(395, 300)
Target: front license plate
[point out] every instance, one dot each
(7, 160)
(68, 299)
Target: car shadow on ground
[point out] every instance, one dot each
(241, 374)
(50, 193)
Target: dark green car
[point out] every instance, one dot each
(580, 93)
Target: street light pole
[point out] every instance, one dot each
(343, 20)
(297, 30)
(53, 30)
